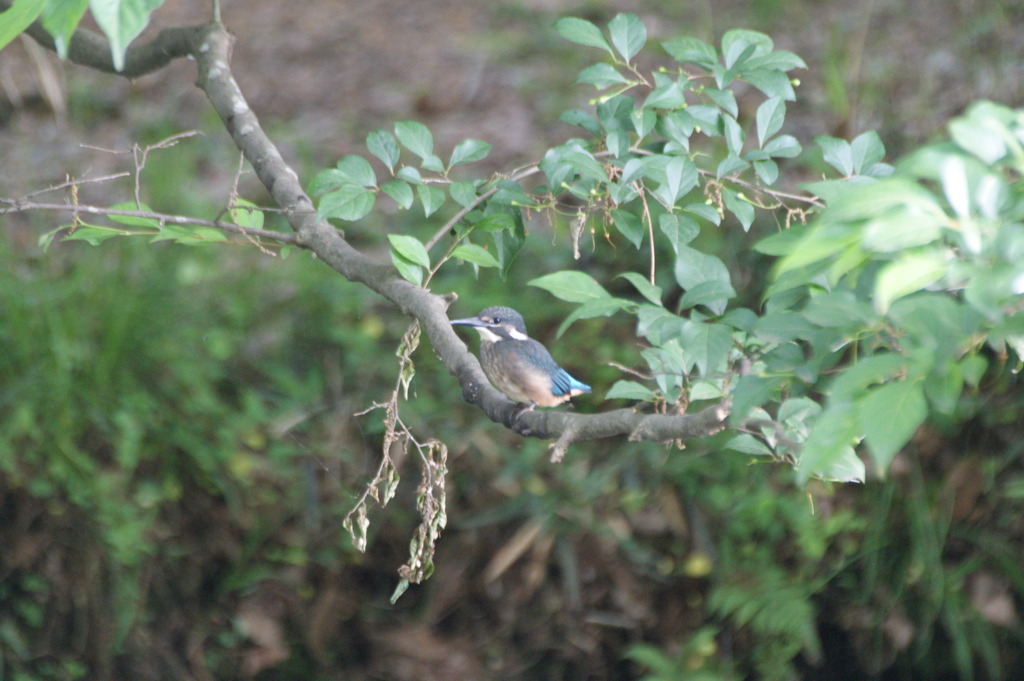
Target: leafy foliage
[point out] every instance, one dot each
(883, 303)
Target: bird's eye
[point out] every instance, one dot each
(496, 320)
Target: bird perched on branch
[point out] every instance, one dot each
(516, 364)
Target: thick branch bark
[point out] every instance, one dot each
(211, 47)
(91, 49)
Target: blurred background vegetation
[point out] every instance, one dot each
(179, 436)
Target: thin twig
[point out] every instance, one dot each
(66, 184)
(650, 226)
(20, 206)
(515, 176)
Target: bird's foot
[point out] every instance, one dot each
(522, 409)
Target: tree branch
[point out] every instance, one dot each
(20, 205)
(211, 45)
(91, 49)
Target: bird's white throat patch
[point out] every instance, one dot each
(487, 335)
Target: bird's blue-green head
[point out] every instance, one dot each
(497, 323)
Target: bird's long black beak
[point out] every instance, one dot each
(468, 321)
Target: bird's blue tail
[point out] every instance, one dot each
(564, 384)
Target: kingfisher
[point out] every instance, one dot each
(516, 364)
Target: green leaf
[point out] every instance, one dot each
(463, 193)
(741, 208)
(783, 146)
(617, 142)
(190, 236)
(409, 270)
(667, 95)
(846, 466)
(400, 588)
(630, 225)
(712, 294)
(410, 175)
(349, 202)
(752, 391)
(943, 388)
(733, 135)
(469, 151)
(121, 21)
(601, 76)
(582, 119)
(139, 221)
(770, 116)
(476, 255)
(628, 34)
(677, 126)
(325, 181)
(740, 318)
(509, 242)
(902, 228)
(912, 272)
(433, 163)
(382, 144)
(784, 242)
(400, 191)
(581, 32)
(693, 267)
(740, 44)
(779, 60)
(629, 390)
(571, 286)
(768, 171)
(680, 178)
(955, 185)
(614, 114)
(60, 20)
(707, 346)
(510, 193)
(657, 324)
(745, 443)
(643, 121)
(866, 150)
(779, 326)
(496, 222)
(410, 248)
(829, 442)
(648, 290)
(725, 99)
(837, 153)
(584, 163)
(982, 132)
(731, 164)
(771, 82)
(431, 197)
(415, 137)
(839, 309)
(246, 214)
(357, 170)
(601, 307)
(704, 210)
(854, 381)
(679, 229)
(46, 239)
(691, 51)
(889, 417)
(94, 235)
